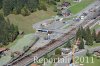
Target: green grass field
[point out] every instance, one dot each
(95, 45)
(25, 23)
(96, 26)
(80, 6)
(17, 45)
(20, 42)
(96, 62)
(14, 42)
(26, 40)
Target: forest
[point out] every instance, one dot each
(8, 32)
(24, 7)
(89, 36)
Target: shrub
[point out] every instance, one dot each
(57, 52)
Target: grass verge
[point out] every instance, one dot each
(81, 5)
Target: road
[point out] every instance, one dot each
(58, 27)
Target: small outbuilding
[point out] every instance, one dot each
(65, 50)
(97, 53)
(77, 0)
(65, 4)
(66, 12)
(2, 50)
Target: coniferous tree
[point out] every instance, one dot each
(32, 5)
(86, 35)
(19, 5)
(94, 35)
(1, 3)
(15, 6)
(57, 0)
(8, 6)
(81, 45)
(58, 52)
(25, 11)
(8, 31)
(89, 38)
(68, 44)
(83, 32)
(79, 33)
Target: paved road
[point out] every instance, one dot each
(93, 5)
(56, 27)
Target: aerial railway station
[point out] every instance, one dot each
(52, 36)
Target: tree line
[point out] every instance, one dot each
(24, 7)
(88, 36)
(8, 32)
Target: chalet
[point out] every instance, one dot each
(65, 50)
(2, 50)
(65, 4)
(97, 53)
(66, 12)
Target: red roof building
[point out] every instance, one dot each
(2, 49)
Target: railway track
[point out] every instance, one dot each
(42, 51)
(25, 60)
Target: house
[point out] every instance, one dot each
(66, 12)
(2, 50)
(65, 50)
(65, 4)
(34, 65)
(97, 53)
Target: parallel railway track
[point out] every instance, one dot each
(25, 60)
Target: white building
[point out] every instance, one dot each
(65, 51)
(77, 0)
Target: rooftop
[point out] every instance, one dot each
(34, 65)
(2, 49)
